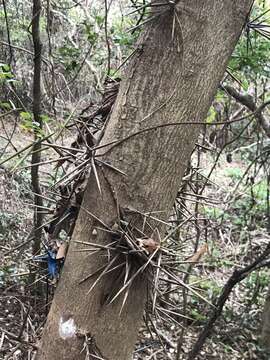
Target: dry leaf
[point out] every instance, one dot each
(199, 253)
(152, 243)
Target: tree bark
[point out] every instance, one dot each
(172, 78)
(265, 336)
(37, 128)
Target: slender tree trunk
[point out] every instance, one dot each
(265, 334)
(266, 323)
(38, 125)
(172, 78)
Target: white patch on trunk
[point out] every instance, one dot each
(67, 329)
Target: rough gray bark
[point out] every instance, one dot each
(168, 80)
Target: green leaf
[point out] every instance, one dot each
(26, 115)
(5, 105)
(245, 84)
(45, 118)
(5, 67)
(211, 115)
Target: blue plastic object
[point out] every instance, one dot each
(52, 264)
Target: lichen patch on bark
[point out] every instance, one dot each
(67, 328)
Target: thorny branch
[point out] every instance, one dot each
(115, 143)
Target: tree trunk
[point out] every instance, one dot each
(265, 336)
(36, 154)
(36, 157)
(172, 78)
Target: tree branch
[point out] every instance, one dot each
(237, 276)
(247, 101)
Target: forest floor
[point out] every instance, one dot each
(236, 334)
